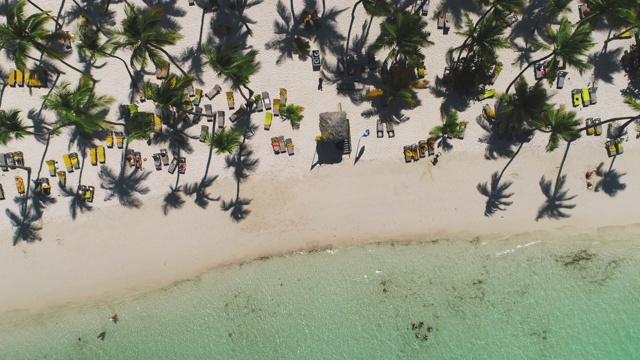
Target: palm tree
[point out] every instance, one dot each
(12, 126)
(90, 46)
(404, 36)
(229, 61)
(555, 8)
(300, 46)
(567, 46)
(139, 126)
(372, 7)
(560, 124)
(293, 113)
(142, 33)
(79, 107)
(170, 94)
(225, 141)
(21, 34)
(501, 8)
(619, 13)
(397, 84)
(526, 104)
(484, 40)
(450, 126)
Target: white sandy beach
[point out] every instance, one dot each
(292, 204)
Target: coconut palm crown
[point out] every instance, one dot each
(225, 141)
(228, 60)
(450, 126)
(12, 126)
(21, 34)
(142, 33)
(404, 36)
(560, 124)
(525, 104)
(79, 107)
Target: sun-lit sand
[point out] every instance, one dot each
(287, 203)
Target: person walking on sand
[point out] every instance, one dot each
(320, 84)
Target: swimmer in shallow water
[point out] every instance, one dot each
(429, 328)
(114, 318)
(421, 325)
(414, 326)
(418, 335)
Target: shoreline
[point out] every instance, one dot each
(115, 264)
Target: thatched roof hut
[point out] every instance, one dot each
(334, 126)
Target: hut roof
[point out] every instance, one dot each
(334, 126)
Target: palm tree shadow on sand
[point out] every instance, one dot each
(496, 194)
(610, 183)
(123, 186)
(26, 227)
(242, 163)
(496, 148)
(556, 204)
(75, 204)
(199, 189)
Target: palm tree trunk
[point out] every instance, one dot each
(629, 119)
(525, 69)
(170, 58)
(619, 36)
(244, 22)
(133, 80)
(58, 25)
(419, 8)
(472, 31)
(353, 17)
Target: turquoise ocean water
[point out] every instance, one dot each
(525, 298)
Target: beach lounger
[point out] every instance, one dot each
(415, 152)
(561, 77)
(283, 146)
(408, 153)
(42, 187)
(196, 118)
(511, 19)
(93, 155)
(67, 162)
(267, 100)
(540, 73)
(275, 145)
(204, 130)
(109, 139)
(19, 77)
(283, 96)
(215, 91)
(119, 139)
(431, 146)
(37, 78)
(18, 158)
(581, 10)
(220, 119)
(380, 128)
(62, 178)
(390, 131)
(488, 112)
(165, 156)
(611, 148)
(20, 185)
(237, 114)
(75, 160)
(192, 2)
(268, 117)
(12, 78)
(422, 148)
(157, 161)
(173, 166)
(577, 99)
(1, 192)
(101, 155)
(593, 94)
(619, 147)
(447, 21)
(230, 100)
(421, 70)
(487, 94)
(463, 129)
(137, 157)
(590, 128)
(198, 97)
(182, 165)
(52, 167)
(3, 163)
(191, 91)
(425, 8)
(9, 161)
(276, 107)
(586, 98)
(290, 146)
(162, 70)
(598, 125)
(86, 193)
(157, 123)
(209, 112)
(441, 20)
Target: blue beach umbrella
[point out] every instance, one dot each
(366, 133)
